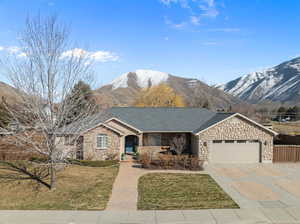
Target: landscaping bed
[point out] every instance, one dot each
(170, 162)
(167, 191)
(78, 188)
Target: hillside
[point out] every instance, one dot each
(280, 83)
(8, 92)
(124, 89)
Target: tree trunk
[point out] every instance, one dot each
(53, 161)
(52, 177)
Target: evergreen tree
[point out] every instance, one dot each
(81, 98)
(296, 112)
(281, 113)
(4, 116)
(206, 104)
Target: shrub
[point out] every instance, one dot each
(168, 161)
(112, 156)
(123, 156)
(145, 160)
(94, 163)
(11, 155)
(38, 159)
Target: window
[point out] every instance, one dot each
(241, 141)
(229, 141)
(154, 139)
(217, 141)
(69, 140)
(102, 141)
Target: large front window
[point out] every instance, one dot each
(154, 139)
(102, 141)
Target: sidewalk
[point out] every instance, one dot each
(214, 216)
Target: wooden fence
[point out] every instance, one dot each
(286, 153)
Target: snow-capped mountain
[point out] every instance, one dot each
(144, 78)
(280, 83)
(124, 89)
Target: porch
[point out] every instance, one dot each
(175, 143)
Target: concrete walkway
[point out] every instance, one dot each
(125, 193)
(216, 216)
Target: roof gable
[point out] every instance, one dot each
(218, 119)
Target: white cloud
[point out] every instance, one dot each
(196, 9)
(13, 49)
(97, 56)
(179, 25)
(208, 8)
(21, 55)
(104, 56)
(168, 2)
(174, 25)
(195, 20)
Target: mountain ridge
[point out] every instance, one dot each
(280, 83)
(123, 90)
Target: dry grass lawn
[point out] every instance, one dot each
(167, 191)
(79, 188)
(288, 128)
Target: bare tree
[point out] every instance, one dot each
(178, 143)
(44, 75)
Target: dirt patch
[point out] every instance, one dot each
(291, 186)
(231, 172)
(255, 191)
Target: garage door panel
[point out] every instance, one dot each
(235, 152)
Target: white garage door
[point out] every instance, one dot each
(234, 152)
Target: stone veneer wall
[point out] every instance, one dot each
(90, 151)
(236, 128)
(68, 150)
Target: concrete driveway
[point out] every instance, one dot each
(260, 185)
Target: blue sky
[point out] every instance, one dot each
(212, 40)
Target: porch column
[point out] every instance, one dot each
(122, 145)
(140, 139)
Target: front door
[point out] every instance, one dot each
(131, 142)
(79, 148)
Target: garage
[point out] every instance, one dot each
(230, 151)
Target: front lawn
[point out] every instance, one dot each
(167, 191)
(78, 188)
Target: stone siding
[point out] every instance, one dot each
(195, 145)
(68, 150)
(236, 128)
(90, 151)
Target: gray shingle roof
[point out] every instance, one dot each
(156, 119)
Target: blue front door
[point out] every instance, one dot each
(131, 142)
(129, 149)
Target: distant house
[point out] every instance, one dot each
(214, 137)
